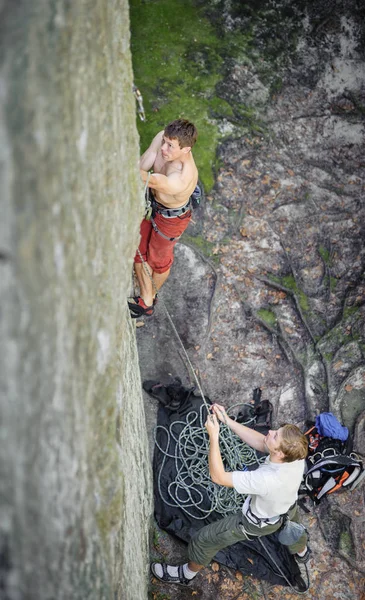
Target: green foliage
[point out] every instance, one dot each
(268, 316)
(346, 543)
(333, 282)
(203, 245)
(155, 537)
(325, 255)
(291, 284)
(349, 311)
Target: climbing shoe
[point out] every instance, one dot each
(138, 308)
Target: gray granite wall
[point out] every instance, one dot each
(75, 475)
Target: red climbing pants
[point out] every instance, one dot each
(157, 251)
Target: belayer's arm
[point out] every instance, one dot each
(246, 434)
(216, 468)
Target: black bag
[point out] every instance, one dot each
(196, 197)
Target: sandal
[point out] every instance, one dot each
(166, 578)
(138, 308)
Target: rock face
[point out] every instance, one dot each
(76, 482)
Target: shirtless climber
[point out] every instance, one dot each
(272, 493)
(171, 185)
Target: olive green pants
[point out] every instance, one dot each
(236, 528)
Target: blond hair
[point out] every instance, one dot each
(294, 444)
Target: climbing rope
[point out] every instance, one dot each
(192, 489)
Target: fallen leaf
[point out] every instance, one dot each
(291, 173)
(215, 566)
(210, 355)
(288, 330)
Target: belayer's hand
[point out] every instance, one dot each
(220, 412)
(212, 426)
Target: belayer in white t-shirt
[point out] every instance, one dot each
(272, 491)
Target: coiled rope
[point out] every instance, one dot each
(192, 490)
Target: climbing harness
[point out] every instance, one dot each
(169, 213)
(153, 207)
(139, 100)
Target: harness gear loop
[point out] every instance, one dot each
(162, 234)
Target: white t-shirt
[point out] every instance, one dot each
(273, 487)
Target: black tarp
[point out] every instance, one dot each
(250, 558)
